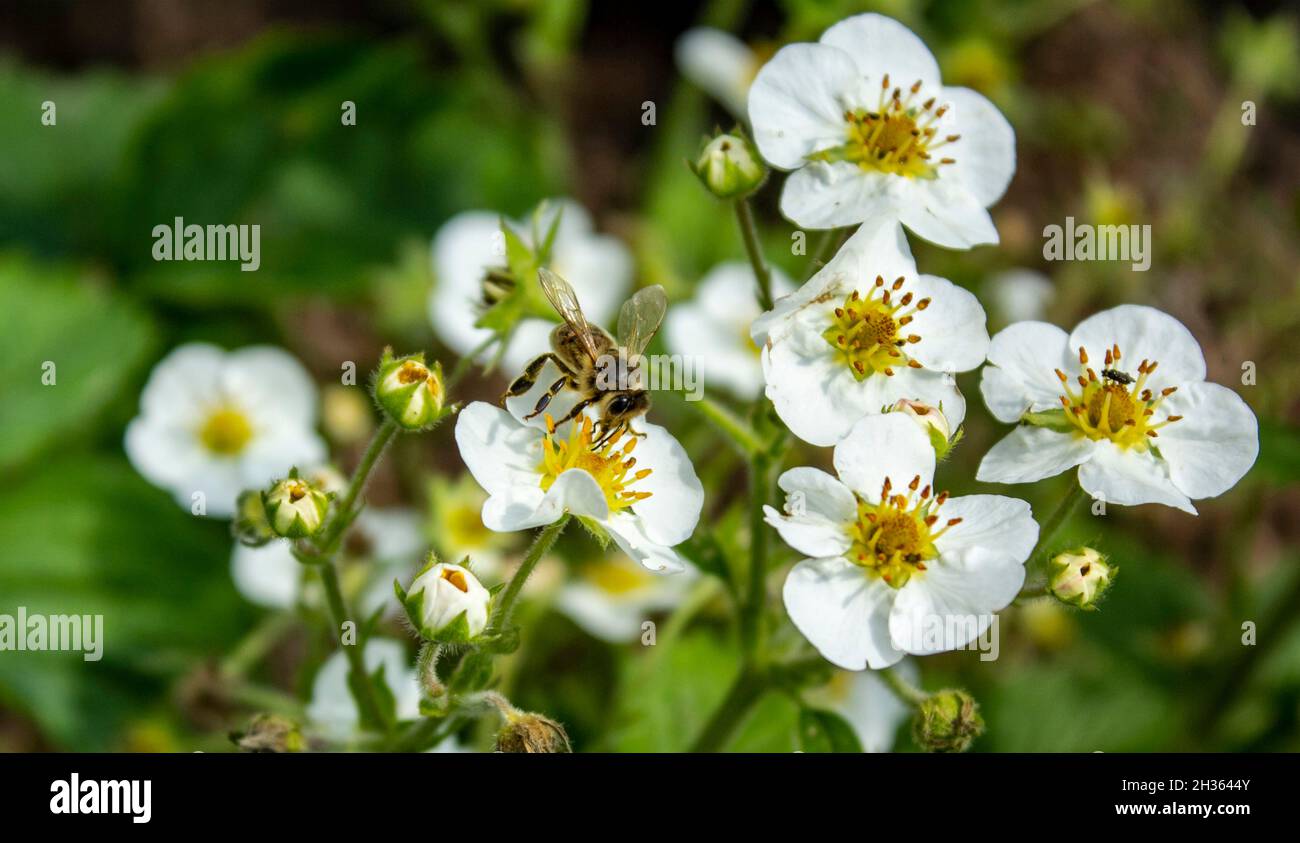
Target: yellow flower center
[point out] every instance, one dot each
(456, 578)
(894, 539)
(226, 431)
(899, 137)
(412, 372)
(609, 465)
(614, 577)
(1115, 406)
(870, 332)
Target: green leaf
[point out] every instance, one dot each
(88, 536)
(666, 697)
(88, 341)
(825, 731)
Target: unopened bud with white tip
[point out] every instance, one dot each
(446, 603)
(730, 167)
(408, 391)
(295, 508)
(1081, 577)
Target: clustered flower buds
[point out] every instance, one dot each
(410, 392)
(446, 603)
(947, 721)
(295, 508)
(1080, 577)
(729, 166)
(527, 732)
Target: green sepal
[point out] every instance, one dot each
(1050, 419)
(596, 531)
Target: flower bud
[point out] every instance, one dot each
(295, 508)
(730, 167)
(932, 421)
(410, 392)
(1080, 577)
(947, 721)
(446, 603)
(525, 732)
(250, 526)
(270, 733)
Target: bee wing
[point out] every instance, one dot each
(565, 301)
(639, 319)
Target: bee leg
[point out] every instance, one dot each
(525, 381)
(611, 435)
(577, 408)
(546, 399)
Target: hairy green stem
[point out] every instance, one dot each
(541, 546)
(751, 618)
(737, 432)
(749, 232)
(462, 365)
(367, 699)
(343, 513)
(904, 690)
(730, 713)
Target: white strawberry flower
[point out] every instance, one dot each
(864, 332)
(713, 328)
(611, 599)
(470, 244)
(446, 603)
(1123, 398)
(218, 422)
(642, 490)
(868, 130)
(893, 567)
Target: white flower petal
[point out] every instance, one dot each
(1024, 358)
(522, 507)
(463, 249)
(183, 383)
(1129, 478)
(881, 45)
(499, 451)
(672, 511)
(1214, 444)
(891, 446)
(796, 103)
(952, 329)
(268, 576)
(873, 710)
(843, 611)
(630, 535)
(1020, 295)
(952, 603)
(817, 398)
(837, 194)
(719, 63)
(1142, 333)
(992, 526)
(820, 507)
(947, 214)
(332, 708)
(272, 384)
(985, 154)
(1028, 453)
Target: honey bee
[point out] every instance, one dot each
(602, 371)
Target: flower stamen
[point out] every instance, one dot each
(895, 538)
(611, 466)
(1115, 406)
(865, 331)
